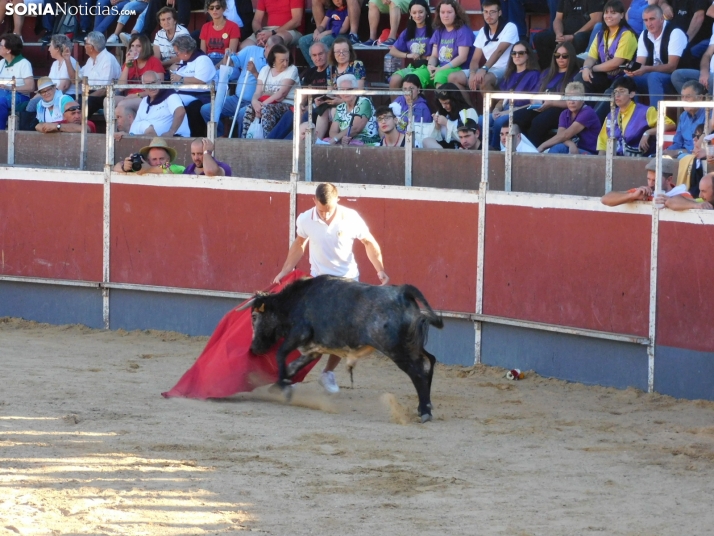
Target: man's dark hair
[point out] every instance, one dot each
(491, 3)
(166, 9)
(383, 110)
(627, 82)
(326, 193)
(698, 88)
(13, 43)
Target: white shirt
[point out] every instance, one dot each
(711, 61)
(525, 146)
(160, 116)
(273, 84)
(58, 74)
(202, 68)
(103, 69)
(165, 45)
(331, 246)
(508, 35)
(20, 70)
(677, 44)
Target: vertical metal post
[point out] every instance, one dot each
(409, 147)
(212, 124)
(480, 250)
(108, 163)
(296, 136)
(610, 146)
(486, 126)
(12, 126)
(83, 134)
(509, 147)
(308, 141)
(294, 175)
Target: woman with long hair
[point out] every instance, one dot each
(452, 44)
(452, 111)
(614, 46)
(521, 74)
(412, 44)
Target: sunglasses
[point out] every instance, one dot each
(72, 109)
(519, 53)
(697, 136)
(214, 8)
(558, 56)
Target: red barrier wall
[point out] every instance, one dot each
(197, 238)
(429, 244)
(51, 229)
(685, 308)
(569, 267)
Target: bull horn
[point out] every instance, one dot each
(245, 304)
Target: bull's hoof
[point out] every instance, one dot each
(288, 393)
(425, 418)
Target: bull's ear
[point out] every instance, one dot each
(261, 309)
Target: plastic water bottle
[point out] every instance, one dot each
(389, 67)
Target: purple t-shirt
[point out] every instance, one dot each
(587, 117)
(418, 45)
(448, 43)
(191, 170)
(554, 83)
(337, 19)
(526, 81)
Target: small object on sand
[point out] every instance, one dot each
(515, 374)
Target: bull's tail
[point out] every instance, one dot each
(414, 294)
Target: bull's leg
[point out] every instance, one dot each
(429, 361)
(412, 366)
(284, 382)
(300, 363)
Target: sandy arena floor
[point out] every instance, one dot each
(88, 446)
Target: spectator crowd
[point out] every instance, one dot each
(638, 54)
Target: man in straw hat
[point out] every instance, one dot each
(157, 157)
(645, 193)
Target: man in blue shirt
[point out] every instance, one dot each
(245, 72)
(692, 91)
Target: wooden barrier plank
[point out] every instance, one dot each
(51, 229)
(568, 267)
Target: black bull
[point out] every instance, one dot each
(332, 315)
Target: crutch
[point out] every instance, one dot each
(240, 99)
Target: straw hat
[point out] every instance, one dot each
(669, 166)
(158, 143)
(44, 83)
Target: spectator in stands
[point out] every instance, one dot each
(691, 169)
(578, 126)
(658, 52)
(221, 36)
(395, 8)
(705, 74)
(135, 6)
(183, 7)
(387, 124)
(334, 23)
(451, 43)
(614, 47)
(542, 117)
(13, 64)
(157, 157)
(705, 201)
(493, 45)
(50, 108)
(277, 17)
(354, 11)
(522, 74)
(634, 124)
(203, 161)
(683, 144)
(645, 193)
(688, 16)
(64, 66)
(194, 67)
(521, 144)
(140, 59)
(101, 68)
(352, 122)
(316, 75)
(574, 22)
(343, 60)
(400, 107)
(274, 92)
(164, 40)
(245, 72)
(452, 111)
(161, 112)
(413, 44)
(71, 121)
(468, 136)
(123, 119)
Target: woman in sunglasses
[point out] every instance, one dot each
(521, 74)
(221, 35)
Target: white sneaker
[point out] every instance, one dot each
(124, 38)
(113, 39)
(327, 380)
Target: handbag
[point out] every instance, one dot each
(255, 130)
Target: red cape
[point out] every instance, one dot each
(227, 366)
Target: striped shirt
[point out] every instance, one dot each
(162, 41)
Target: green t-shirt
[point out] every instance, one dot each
(363, 108)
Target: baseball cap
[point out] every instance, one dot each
(470, 124)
